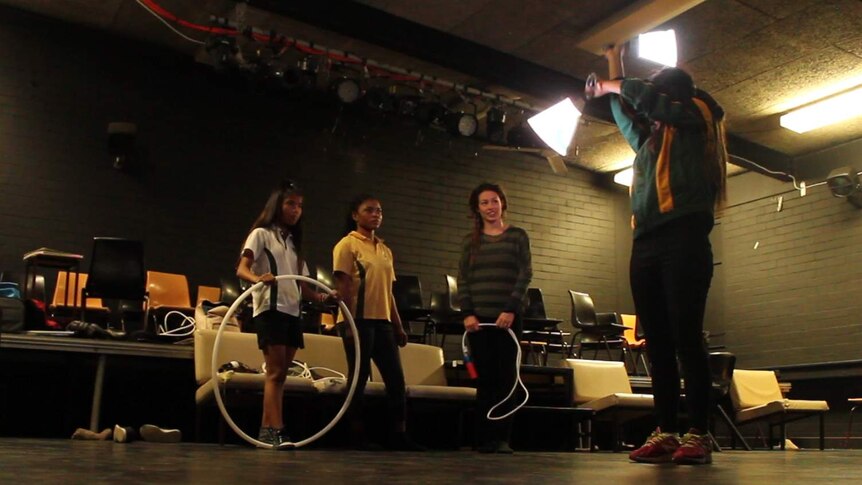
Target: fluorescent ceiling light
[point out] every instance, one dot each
(659, 46)
(556, 125)
(824, 112)
(624, 177)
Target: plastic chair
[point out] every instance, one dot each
(407, 290)
(117, 273)
(541, 332)
(446, 312)
(604, 387)
(721, 365)
(594, 329)
(209, 293)
(635, 344)
(756, 396)
(168, 290)
(63, 295)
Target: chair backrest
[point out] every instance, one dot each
(751, 388)
(168, 289)
(631, 332)
(117, 269)
(209, 293)
(230, 290)
(65, 295)
(583, 310)
(595, 379)
(721, 366)
(535, 304)
(452, 294)
(422, 364)
(407, 291)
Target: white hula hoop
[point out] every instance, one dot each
(214, 370)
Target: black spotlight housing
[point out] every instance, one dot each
(430, 112)
(460, 123)
(844, 183)
(523, 136)
(347, 90)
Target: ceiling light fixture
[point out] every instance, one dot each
(658, 46)
(556, 125)
(625, 177)
(828, 111)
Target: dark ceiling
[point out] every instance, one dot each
(759, 58)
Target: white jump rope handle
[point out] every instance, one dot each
(518, 380)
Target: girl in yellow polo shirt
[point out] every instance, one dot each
(364, 272)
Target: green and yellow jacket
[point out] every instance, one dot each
(670, 179)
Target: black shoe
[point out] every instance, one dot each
(402, 442)
(155, 434)
(487, 447)
(504, 448)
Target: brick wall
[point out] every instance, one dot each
(211, 147)
(795, 298)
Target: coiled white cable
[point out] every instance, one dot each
(185, 329)
(215, 365)
(518, 380)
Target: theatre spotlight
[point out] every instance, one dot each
(461, 123)
(658, 46)
(347, 90)
(495, 121)
(121, 143)
(556, 125)
(844, 183)
(223, 52)
(303, 75)
(380, 99)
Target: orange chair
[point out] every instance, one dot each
(64, 296)
(210, 293)
(168, 291)
(635, 344)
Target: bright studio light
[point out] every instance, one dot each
(624, 177)
(556, 125)
(659, 46)
(824, 112)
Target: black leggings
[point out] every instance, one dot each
(671, 270)
(377, 341)
(494, 353)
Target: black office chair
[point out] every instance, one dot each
(541, 333)
(446, 312)
(407, 290)
(118, 277)
(721, 365)
(594, 330)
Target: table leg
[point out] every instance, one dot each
(97, 394)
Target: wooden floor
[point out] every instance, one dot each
(67, 461)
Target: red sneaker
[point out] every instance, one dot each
(659, 448)
(694, 449)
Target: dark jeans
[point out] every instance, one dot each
(376, 341)
(494, 354)
(671, 270)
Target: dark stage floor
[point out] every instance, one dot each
(67, 461)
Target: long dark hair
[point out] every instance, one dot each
(476, 234)
(355, 203)
(271, 215)
(679, 86)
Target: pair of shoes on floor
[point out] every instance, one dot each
(274, 437)
(501, 447)
(147, 432)
(401, 442)
(86, 434)
(693, 449)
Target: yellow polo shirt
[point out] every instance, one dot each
(369, 262)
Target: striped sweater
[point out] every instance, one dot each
(497, 278)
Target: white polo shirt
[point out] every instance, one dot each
(274, 254)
